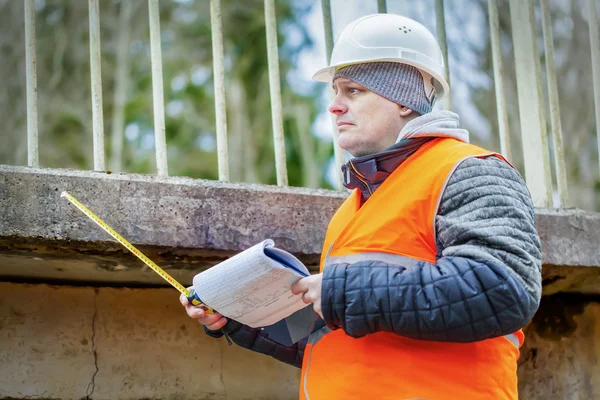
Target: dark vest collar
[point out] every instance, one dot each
(366, 173)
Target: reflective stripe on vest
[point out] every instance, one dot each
(397, 226)
(514, 339)
(394, 259)
(312, 340)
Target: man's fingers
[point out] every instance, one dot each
(300, 286)
(214, 322)
(195, 312)
(306, 298)
(215, 326)
(311, 296)
(184, 301)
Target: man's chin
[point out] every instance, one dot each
(355, 152)
(353, 148)
(358, 152)
(345, 146)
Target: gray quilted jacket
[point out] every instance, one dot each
(485, 283)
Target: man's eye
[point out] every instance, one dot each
(353, 90)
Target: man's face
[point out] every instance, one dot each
(367, 122)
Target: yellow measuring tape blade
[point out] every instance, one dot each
(127, 245)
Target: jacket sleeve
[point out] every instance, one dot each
(258, 340)
(485, 283)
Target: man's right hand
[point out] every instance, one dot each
(214, 322)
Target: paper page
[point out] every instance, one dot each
(250, 288)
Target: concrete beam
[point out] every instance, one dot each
(570, 243)
(187, 225)
(183, 224)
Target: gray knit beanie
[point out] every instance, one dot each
(400, 83)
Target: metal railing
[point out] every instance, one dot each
(219, 73)
(503, 129)
(33, 158)
(527, 66)
(595, 51)
(96, 77)
(275, 90)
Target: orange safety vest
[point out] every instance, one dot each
(398, 223)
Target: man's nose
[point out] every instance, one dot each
(337, 107)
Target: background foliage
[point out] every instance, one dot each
(65, 105)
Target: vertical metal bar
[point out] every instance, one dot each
(328, 26)
(499, 80)
(337, 150)
(275, 90)
(559, 156)
(33, 159)
(219, 82)
(157, 89)
(96, 77)
(595, 50)
(535, 142)
(118, 118)
(381, 7)
(441, 34)
(541, 100)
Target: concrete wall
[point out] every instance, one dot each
(561, 354)
(100, 342)
(63, 342)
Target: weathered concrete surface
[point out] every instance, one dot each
(183, 224)
(187, 225)
(561, 354)
(60, 342)
(570, 245)
(145, 346)
(180, 213)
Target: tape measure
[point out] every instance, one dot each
(191, 295)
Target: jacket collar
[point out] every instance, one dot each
(368, 172)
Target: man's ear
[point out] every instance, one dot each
(405, 111)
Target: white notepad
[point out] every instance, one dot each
(254, 286)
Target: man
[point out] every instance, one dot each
(431, 267)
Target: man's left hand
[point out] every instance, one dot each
(310, 288)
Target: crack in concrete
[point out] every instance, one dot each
(92, 383)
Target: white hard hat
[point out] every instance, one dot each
(394, 38)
